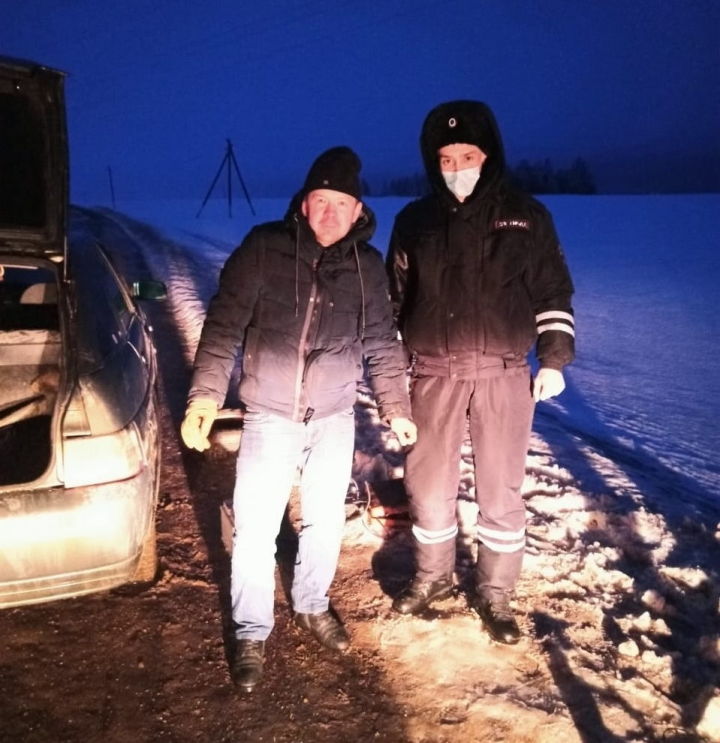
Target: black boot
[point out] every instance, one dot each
(248, 663)
(325, 628)
(420, 594)
(498, 619)
(496, 574)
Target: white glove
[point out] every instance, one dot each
(405, 430)
(199, 417)
(548, 383)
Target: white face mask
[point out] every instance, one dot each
(462, 182)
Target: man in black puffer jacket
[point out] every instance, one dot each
(306, 299)
(478, 278)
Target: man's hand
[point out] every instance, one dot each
(405, 430)
(548, 383)
(199, 417)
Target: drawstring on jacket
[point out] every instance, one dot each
(362, 291)
(297, 266)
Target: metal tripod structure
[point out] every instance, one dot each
(230, 163)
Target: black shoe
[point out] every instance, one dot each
(248, 663)
(325, 628)
(420, 594)
(498, 620)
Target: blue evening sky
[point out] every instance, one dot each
(155, 88)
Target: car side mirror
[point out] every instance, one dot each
(148, 289)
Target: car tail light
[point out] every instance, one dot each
(90, 460)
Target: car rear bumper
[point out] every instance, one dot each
(60, 543)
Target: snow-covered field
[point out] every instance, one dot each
(622, 474)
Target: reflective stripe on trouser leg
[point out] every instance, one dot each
(501, 541)
(325, 478)
(432, 472)
(426, 536)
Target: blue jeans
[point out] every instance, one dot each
(271, 450)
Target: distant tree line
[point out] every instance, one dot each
(538, 178)
(541, 177)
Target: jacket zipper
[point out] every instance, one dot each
(302, 345)
(480, 315)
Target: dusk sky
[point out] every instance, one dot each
(155, 88)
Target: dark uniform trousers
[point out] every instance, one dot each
(500, 410)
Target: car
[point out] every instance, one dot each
(79, 431)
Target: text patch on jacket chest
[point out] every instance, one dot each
(511, 224)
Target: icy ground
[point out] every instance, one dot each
(619, 595)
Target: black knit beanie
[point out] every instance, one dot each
(337, 169)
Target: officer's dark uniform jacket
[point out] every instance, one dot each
(477, 283)
(304, 317)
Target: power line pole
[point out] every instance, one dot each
(231, 164)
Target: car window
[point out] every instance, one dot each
(104, 310)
